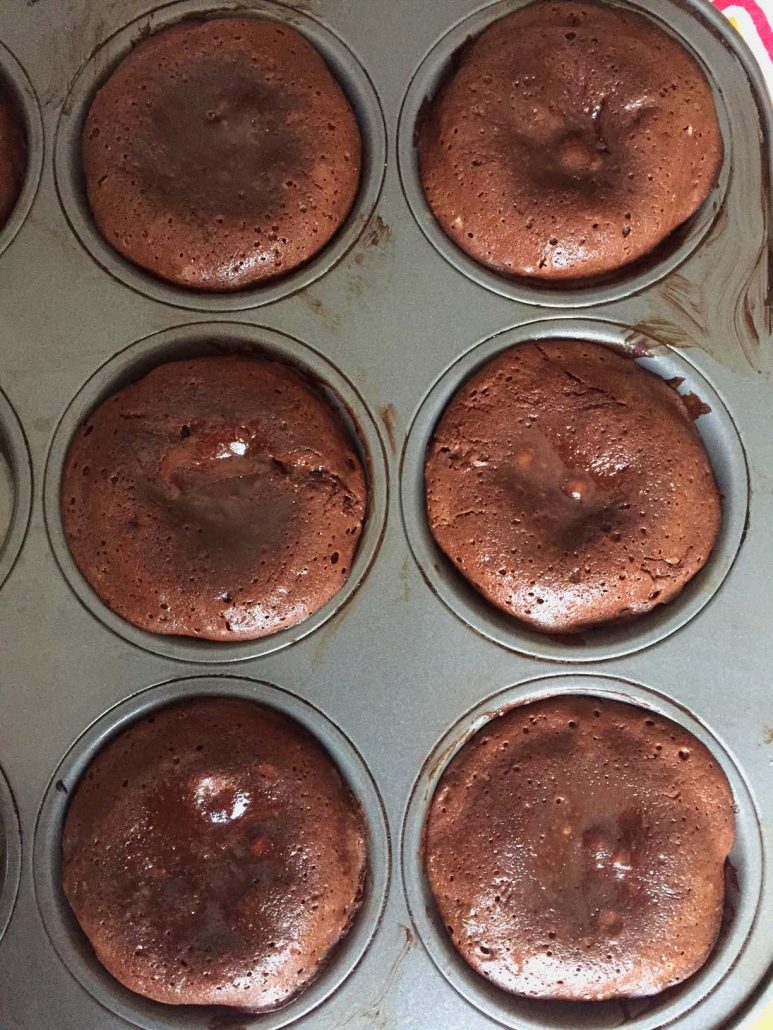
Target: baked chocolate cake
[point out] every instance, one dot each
(571, 139)
(576, 850)
(218, 498)
(13, 155)
(569, 486)
(213, 855)
(221, 154)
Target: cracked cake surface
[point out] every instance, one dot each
(219, 497)
(569, 486)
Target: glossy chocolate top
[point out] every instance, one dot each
(218, 498)
(213, 855)
(576, 849)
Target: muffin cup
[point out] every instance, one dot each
(726, 457)
(14, 78)
(70, 180)
(746, 862)
(197, 340)
(10, 854)
(15, 487)
(429, 77)
(71, 943)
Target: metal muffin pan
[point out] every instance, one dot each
(10, 853)
(15, 486)
(391, 679)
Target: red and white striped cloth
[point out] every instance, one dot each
(753, 19)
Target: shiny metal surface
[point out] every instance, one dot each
(404, 663)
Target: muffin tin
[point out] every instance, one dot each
(406, 662)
